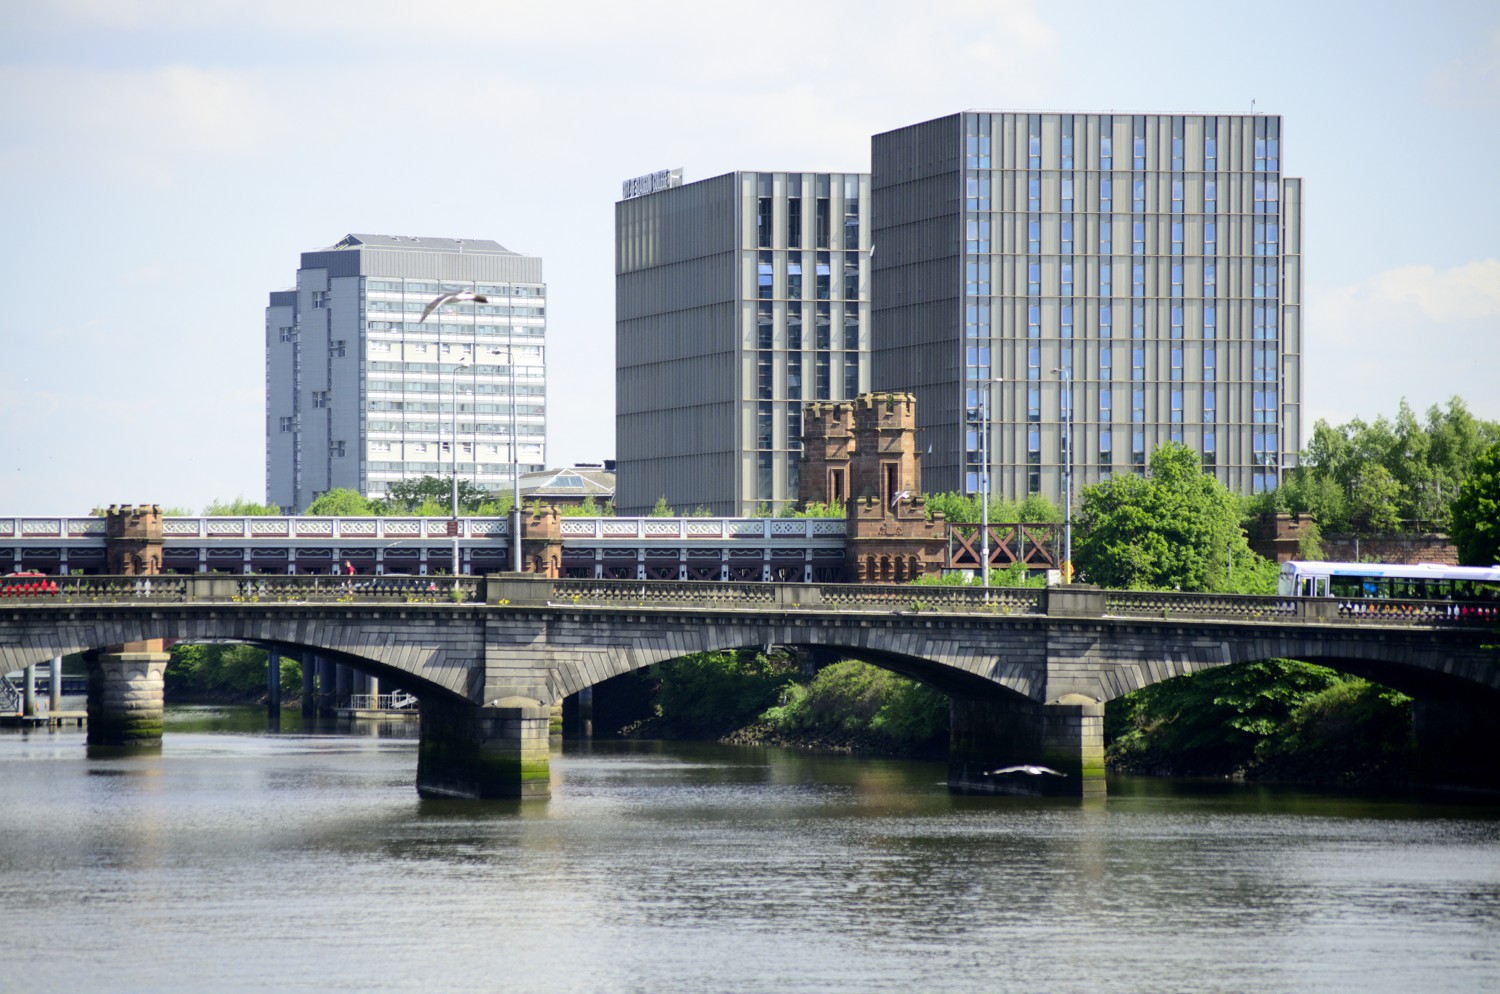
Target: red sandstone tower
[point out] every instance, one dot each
(863, 453)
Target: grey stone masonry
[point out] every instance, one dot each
(528, 643)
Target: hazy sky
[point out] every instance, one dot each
(164, 162)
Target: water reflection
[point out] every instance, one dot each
(303, 860)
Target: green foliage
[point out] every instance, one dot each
(226, 670)
(432, 497)
(708, 694)
(341, 502)
(965, 509)
(661, 509)
(1214, 721)
(1373, 495)
(496, 506)
(1014, 575)
(1476, 512)
(587, 508)
(1310, 543)
(818, 509)
(1178, 528)
(852, 699)
(1350, 730)
(240, 508)
(1421, 465)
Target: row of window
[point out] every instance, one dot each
(428, 287)
(830, 272)
(1262, 143)
(822, 223)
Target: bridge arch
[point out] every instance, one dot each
(437, 666)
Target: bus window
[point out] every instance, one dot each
(1322, 588)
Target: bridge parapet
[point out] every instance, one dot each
(231, 588)
(1077, 601)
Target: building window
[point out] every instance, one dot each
(337, 348)
(286, 333)
(336, 449)
(763, 222)
(287, 424)
(320, 398)
(794, 222)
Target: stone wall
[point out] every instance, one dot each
(1276, 536)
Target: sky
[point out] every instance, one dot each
(163, 163)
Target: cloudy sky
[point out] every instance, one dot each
(164, 162)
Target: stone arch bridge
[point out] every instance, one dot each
(1027, 670)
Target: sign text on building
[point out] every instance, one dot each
(651, 183)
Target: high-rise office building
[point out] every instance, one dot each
(360, 393)
(1145, 267)
(737, 300)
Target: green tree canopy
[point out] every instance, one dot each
(1476, 512)
(965, 509)
(341, 502)
(432, 496)
(240, 508)
(1177, 528)
(1422, 462)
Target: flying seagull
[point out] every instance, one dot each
(452, 296)
(1025, 768)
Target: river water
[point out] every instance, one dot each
(240, 860)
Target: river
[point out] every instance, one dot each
(241, 860)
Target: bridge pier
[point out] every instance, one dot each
(1066, 736)
(125, 697)
(309, 666)
(470, 751)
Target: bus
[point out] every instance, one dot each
(1419, 582)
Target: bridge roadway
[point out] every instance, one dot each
(1027, 670)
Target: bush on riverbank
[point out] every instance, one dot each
(769, 699)
(1274, 719)
(853, 705)
(710, 694)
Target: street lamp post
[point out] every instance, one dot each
(453, 296)
(984, 479)
(461, 363)
(1066, 374)
(984, 487)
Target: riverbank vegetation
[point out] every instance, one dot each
(775, 698)
(1273, 719)
(226, 673)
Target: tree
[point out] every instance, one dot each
(432, 496)
(1178, 528)
(341, 502)
(1476, 511)
(662, 509)
(1373, 496)
(240, 508)
(1372, 476)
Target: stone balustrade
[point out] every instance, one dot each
(528, 590)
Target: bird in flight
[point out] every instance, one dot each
(1024, 768)
(451, 296)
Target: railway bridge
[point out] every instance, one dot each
(1027, 670)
